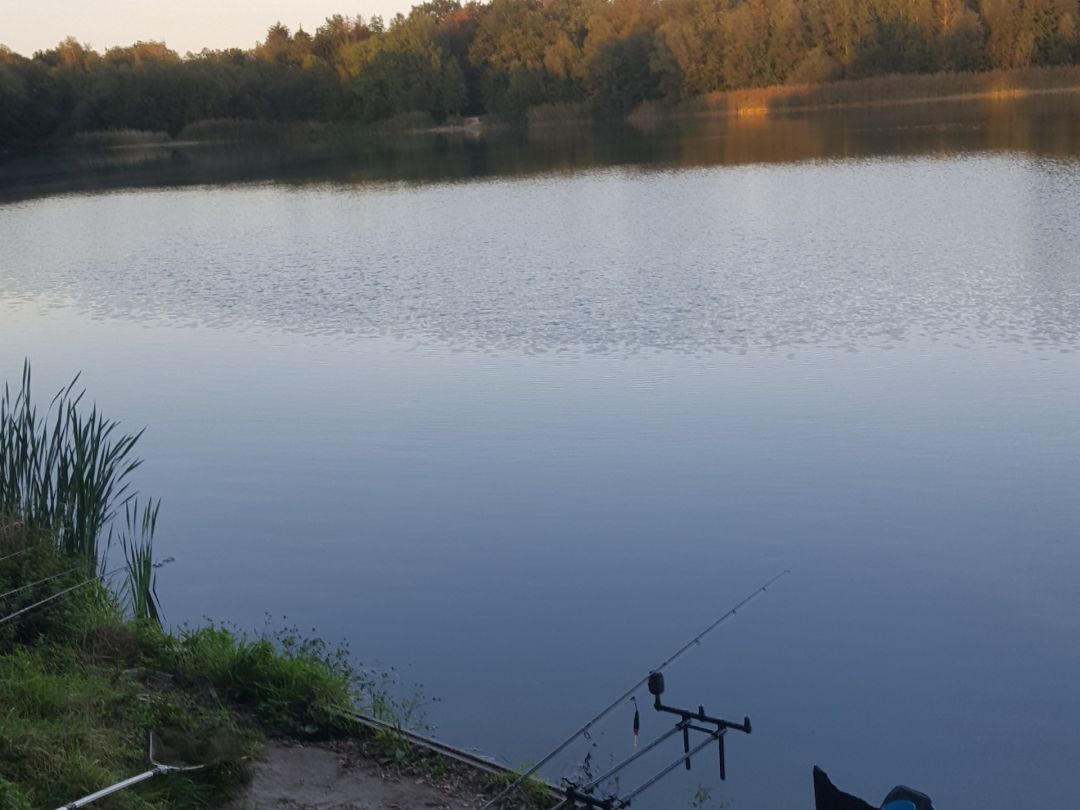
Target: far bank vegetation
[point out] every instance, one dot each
(562, 59)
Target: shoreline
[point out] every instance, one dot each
(877, 92)
(97, 689)
(253, 716)
(898, 90)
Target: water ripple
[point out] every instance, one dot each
(848, 254)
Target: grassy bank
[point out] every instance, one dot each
(88, 674)
(86, 670)
(885, 91)
(83, 686)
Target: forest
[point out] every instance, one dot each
(446, 58)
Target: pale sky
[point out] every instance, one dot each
(185, 25)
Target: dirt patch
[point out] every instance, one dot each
(292, 776)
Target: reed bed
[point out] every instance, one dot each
(887, 90)
(139, 590)
(65, 472)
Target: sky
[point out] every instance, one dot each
(31, 25)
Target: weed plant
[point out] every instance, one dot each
(81, 687)
(62, 469)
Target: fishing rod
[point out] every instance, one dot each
(689, 720)
(614, 802)
(27, 587)
(16, 554)
(629, 797)
(617, 802)
(626, 695)
(614, 769)
(46, 600)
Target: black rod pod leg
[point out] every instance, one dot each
(719, 725)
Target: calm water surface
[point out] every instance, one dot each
(521, 431)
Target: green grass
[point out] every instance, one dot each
(532, 791)
(81, 688)
(292, 686)
(69, 729)
(76, 706)
(66, 468)
(139, 590)
(36, 558)
(65, 473)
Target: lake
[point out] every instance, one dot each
(517, 417)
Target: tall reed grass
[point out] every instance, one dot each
(886, 90)
(139, 590)
(66, 470)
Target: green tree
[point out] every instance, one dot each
(620, 75)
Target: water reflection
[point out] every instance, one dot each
(1047, 125)
(426, 416)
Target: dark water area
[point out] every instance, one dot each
(518, 416)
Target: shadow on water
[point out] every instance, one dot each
(1041, 125)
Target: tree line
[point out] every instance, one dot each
(447, 58)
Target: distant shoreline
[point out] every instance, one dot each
(877, 92)
(846, 94)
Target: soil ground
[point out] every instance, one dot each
(291, 776)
